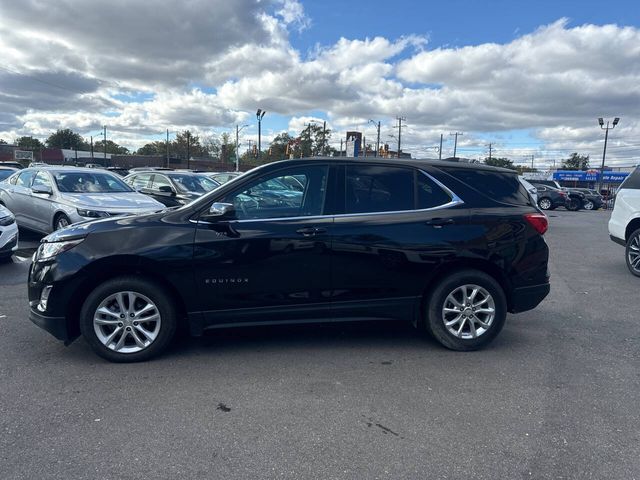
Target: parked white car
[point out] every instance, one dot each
(624, 224)
(8, 233)
(45, 199)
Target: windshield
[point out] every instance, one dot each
(272, 184)
(194, 183)
(5, 173)
(89, 182)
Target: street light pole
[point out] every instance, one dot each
(105, 145)
(259, 115)
(606, 137)
(238, 130)
(188, 149)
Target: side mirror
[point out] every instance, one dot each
(219, 211)
(43, 189)
(167, 190)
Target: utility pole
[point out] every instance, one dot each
(238, 130)
(377, 125)
(340, 147)
(400, 120)
(167, 148)
(440, 150)
(490, 152)
(606, 137)
(324, 137)
(532, 167)
(364, 143)
(455, 143)
(92, 148)
(188, 149)
(105, 145)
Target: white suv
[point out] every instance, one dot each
(624, 225)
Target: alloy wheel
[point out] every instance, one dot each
(468, 311)
(588, 205)
(62, 222)
(127, 322)
(633, 255)
(545, 204)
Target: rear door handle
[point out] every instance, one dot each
(439, 222)
(311, 231)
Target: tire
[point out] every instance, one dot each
(632, 253)
(588, 205)
(121, 336)
(573, 205)
(545, 203)
(60, 221)
(491, 296)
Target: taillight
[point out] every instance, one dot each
(538, 221)
(562, 194)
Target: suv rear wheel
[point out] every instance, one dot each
(633, 253)
(128, 319)
(466, 310)
(545, 203)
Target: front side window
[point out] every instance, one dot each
(270, 197)
(193, 183)
(139, 181)
(42, 180)
(160, 181)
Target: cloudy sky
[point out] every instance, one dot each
(531, 78)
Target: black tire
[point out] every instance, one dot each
(573, 205)
(632, 241)
(545, 203)
(435, 322)
(61, 221)
(147, 288)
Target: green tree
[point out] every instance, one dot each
(576, 162)
(29, 143)
(278, 147)
(112, 147)
(524, 168)
(186, 143)
(314, 141)
(154, 148)
(2, 142)
(500, 162)
(66, 138)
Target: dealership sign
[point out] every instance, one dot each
(589, 176)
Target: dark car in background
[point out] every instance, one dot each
(223, 177)
(449, 247)
(171, 188)
(123, 172)
(592, 200)
(550, 198)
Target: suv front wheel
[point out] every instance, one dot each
(466, 310)
(128, 319)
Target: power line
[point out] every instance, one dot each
(45, 82)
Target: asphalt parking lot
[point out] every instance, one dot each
(555, 396)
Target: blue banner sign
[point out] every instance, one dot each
(589, 176)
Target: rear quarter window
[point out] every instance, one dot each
(632, 182)
(501, 187)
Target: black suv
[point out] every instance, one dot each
(451, 247)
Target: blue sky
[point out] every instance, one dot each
(529, 78)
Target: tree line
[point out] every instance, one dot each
(313, 140)
(575, 161)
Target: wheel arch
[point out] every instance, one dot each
(108, 268)
(450, 268)
(632, 226)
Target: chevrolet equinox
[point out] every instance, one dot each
(450, 247)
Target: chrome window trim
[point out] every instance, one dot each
(455, 201)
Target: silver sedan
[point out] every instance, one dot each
(49, 198)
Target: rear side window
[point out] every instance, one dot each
(429, 194)
(501, 187)
(25, 179)
(372, 188)
(632, 182)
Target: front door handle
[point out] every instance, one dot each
(439, 222)
(310, 231)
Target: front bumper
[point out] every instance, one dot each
(56, 326)
(528, 298)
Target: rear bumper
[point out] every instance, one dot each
(56, 326)
(527, 298)
(617, 240)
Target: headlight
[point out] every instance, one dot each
(47, 251)
(7, 220)
(91, 213)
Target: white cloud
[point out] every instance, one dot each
(209, 64)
